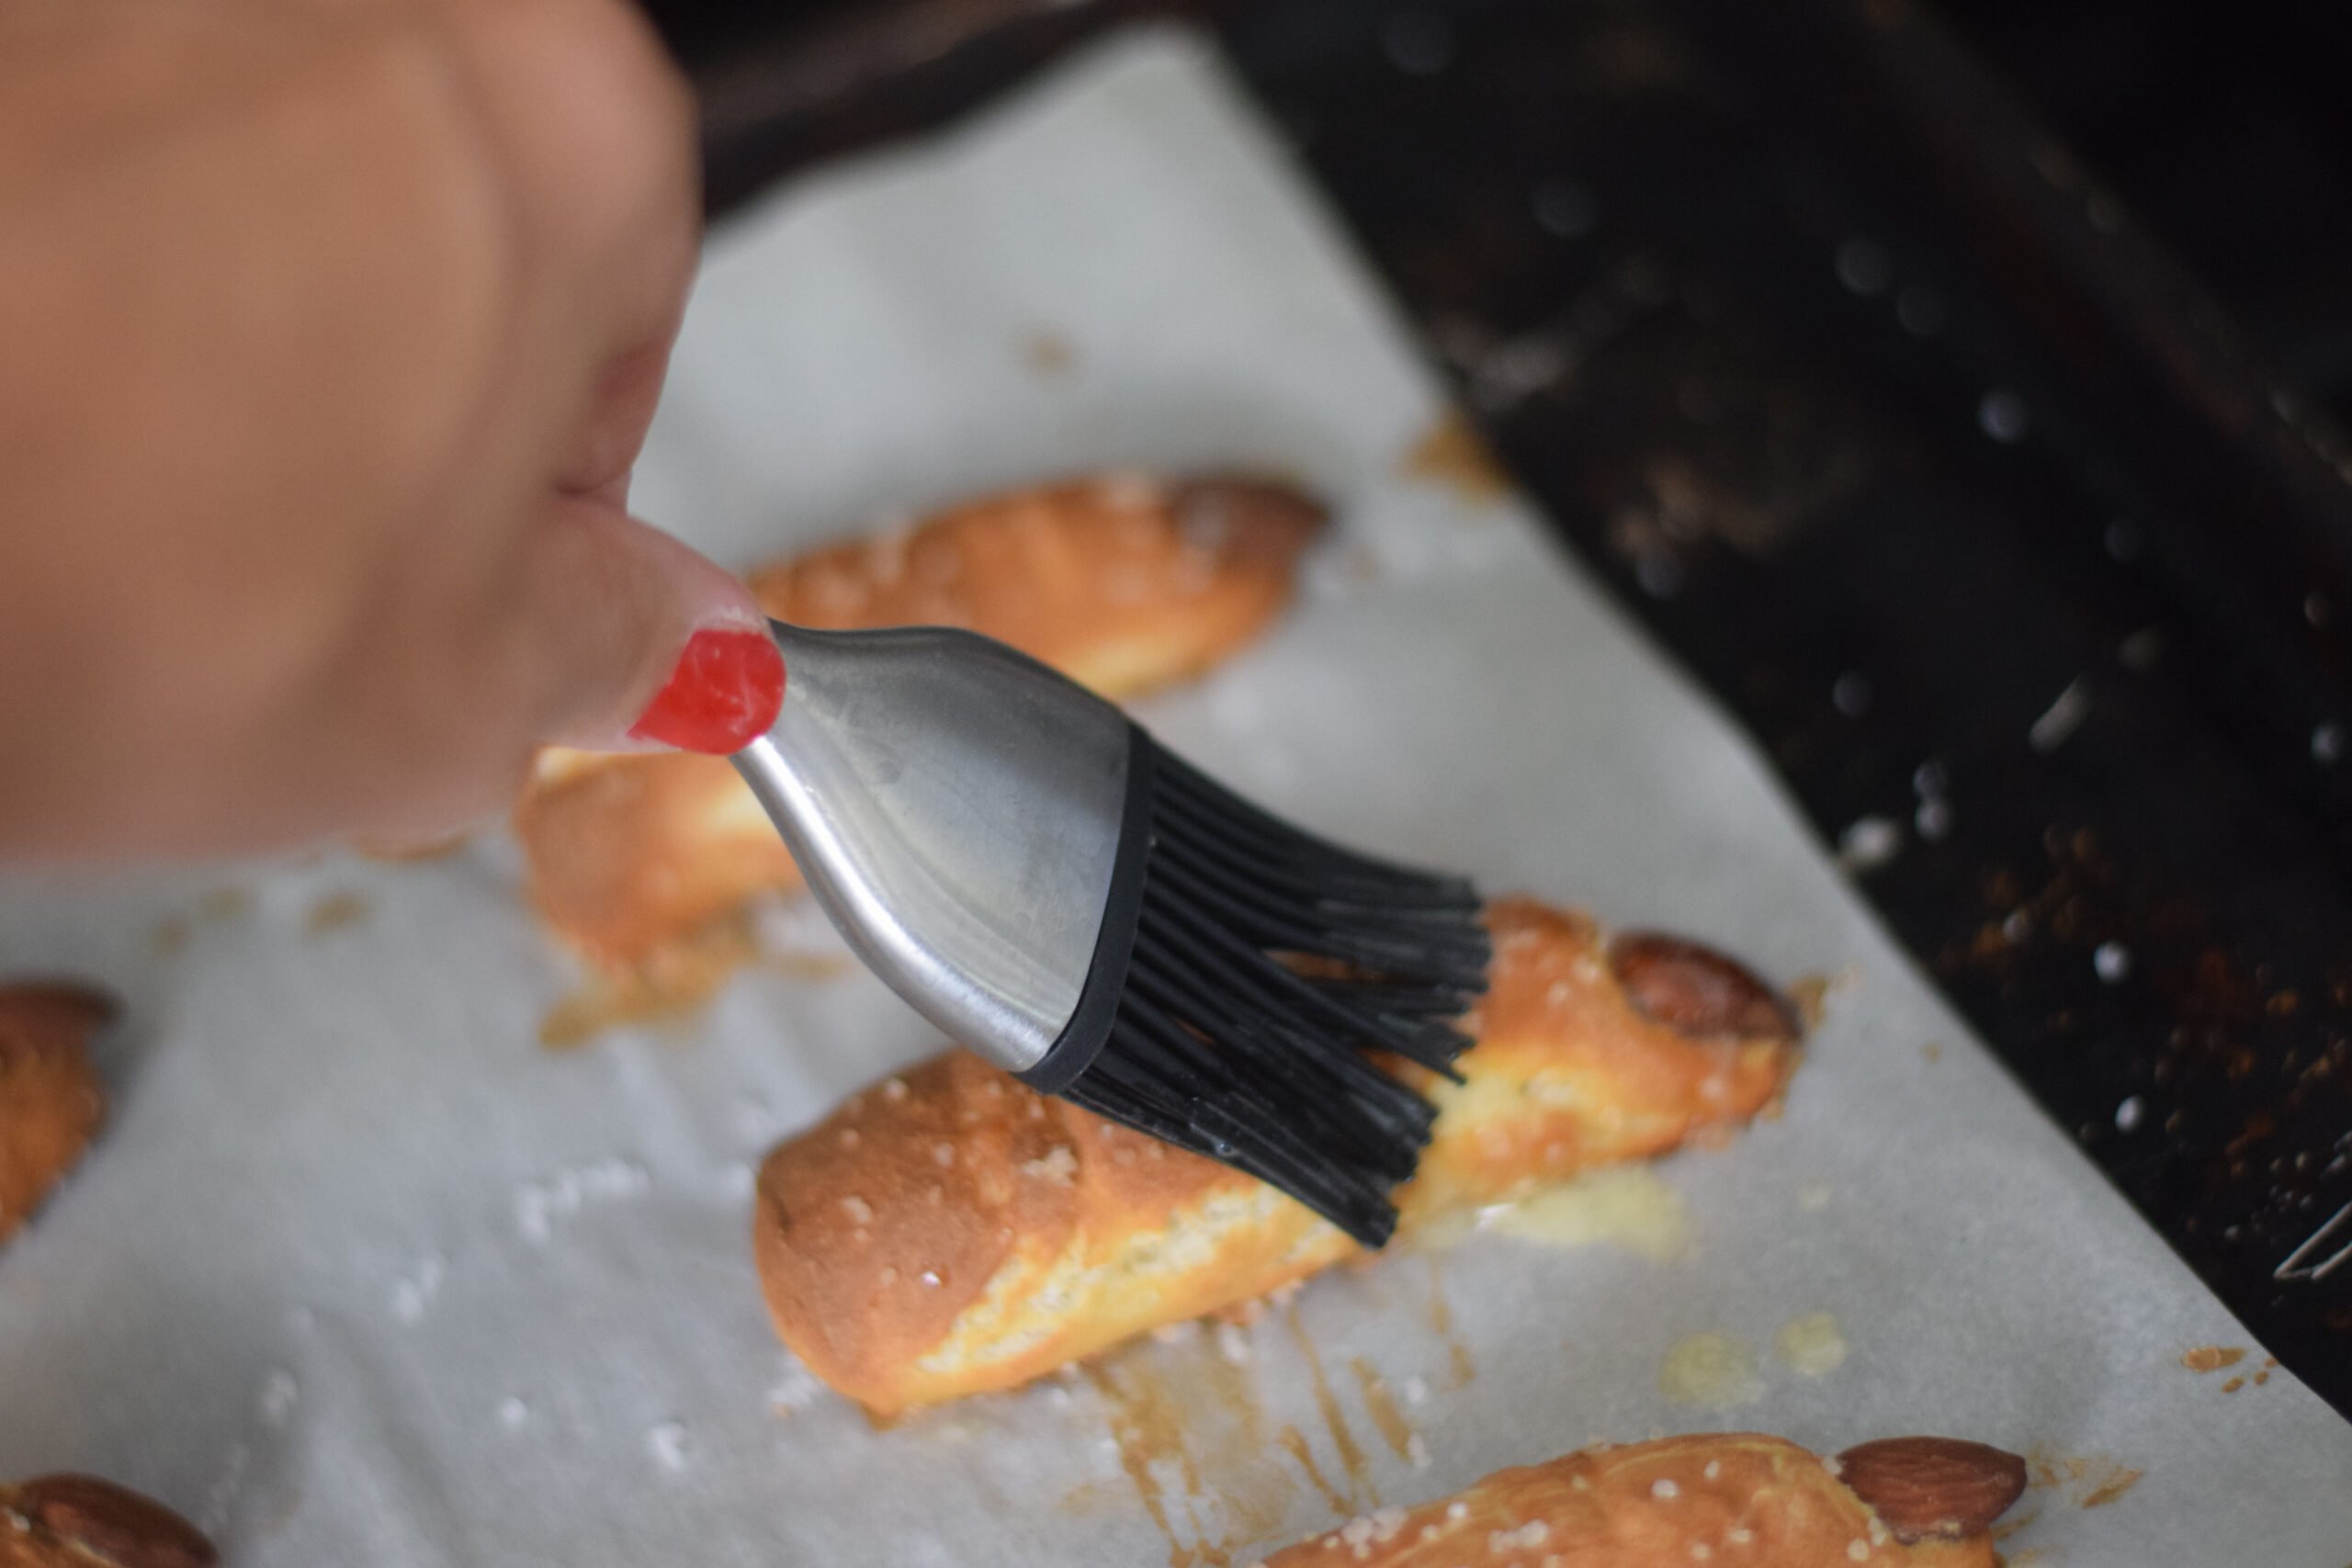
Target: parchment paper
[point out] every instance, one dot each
(364, 1276)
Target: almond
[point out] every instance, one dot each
(1207, 506)
(111, 1523)
(1933, 1486)
(1696, 990)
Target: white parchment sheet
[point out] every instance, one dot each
(364, 1276)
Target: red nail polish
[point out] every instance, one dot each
(725, 693)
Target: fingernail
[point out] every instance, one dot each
(725, 693)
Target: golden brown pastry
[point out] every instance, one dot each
(950, 1232)
(50, 1098)
(1733, 1498)
(79, 1521)
(1122, 583)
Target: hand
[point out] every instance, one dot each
(332, 331)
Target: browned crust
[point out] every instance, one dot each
(80, 1521)
(950, 1232)
(1734, 1498)
(50, 1100)
(1122, 583)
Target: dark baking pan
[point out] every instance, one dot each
(1887, 419)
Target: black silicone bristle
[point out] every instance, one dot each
(1270, 978)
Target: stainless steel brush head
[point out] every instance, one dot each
(1037, 876)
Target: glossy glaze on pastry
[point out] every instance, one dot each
(1122, 583)
(1736, 1499)
(949, 1231)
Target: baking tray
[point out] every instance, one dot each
(1882, 415)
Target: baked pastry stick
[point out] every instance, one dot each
(950, 1232)
(1736, 1498)
(50, 1098)
(1122, 583)
(79, 1521)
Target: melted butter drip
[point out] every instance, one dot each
(1444, 1232)
(1344, 1440)
(1294, 1442)
(1810, 993)
(1442, 1325)
(1381, 1405)
(1711, 1369)
(1626, 1206)
(1450, 454)
(2089, 1480)
(1147, 1430)
(1189, 1428)
(1811, 1345)
(1236, 1393)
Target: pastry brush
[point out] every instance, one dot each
(1056, 891)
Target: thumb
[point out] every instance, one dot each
(634, 641)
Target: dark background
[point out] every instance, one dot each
(2227, 128)
(1955, 394)
(2225, 124)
